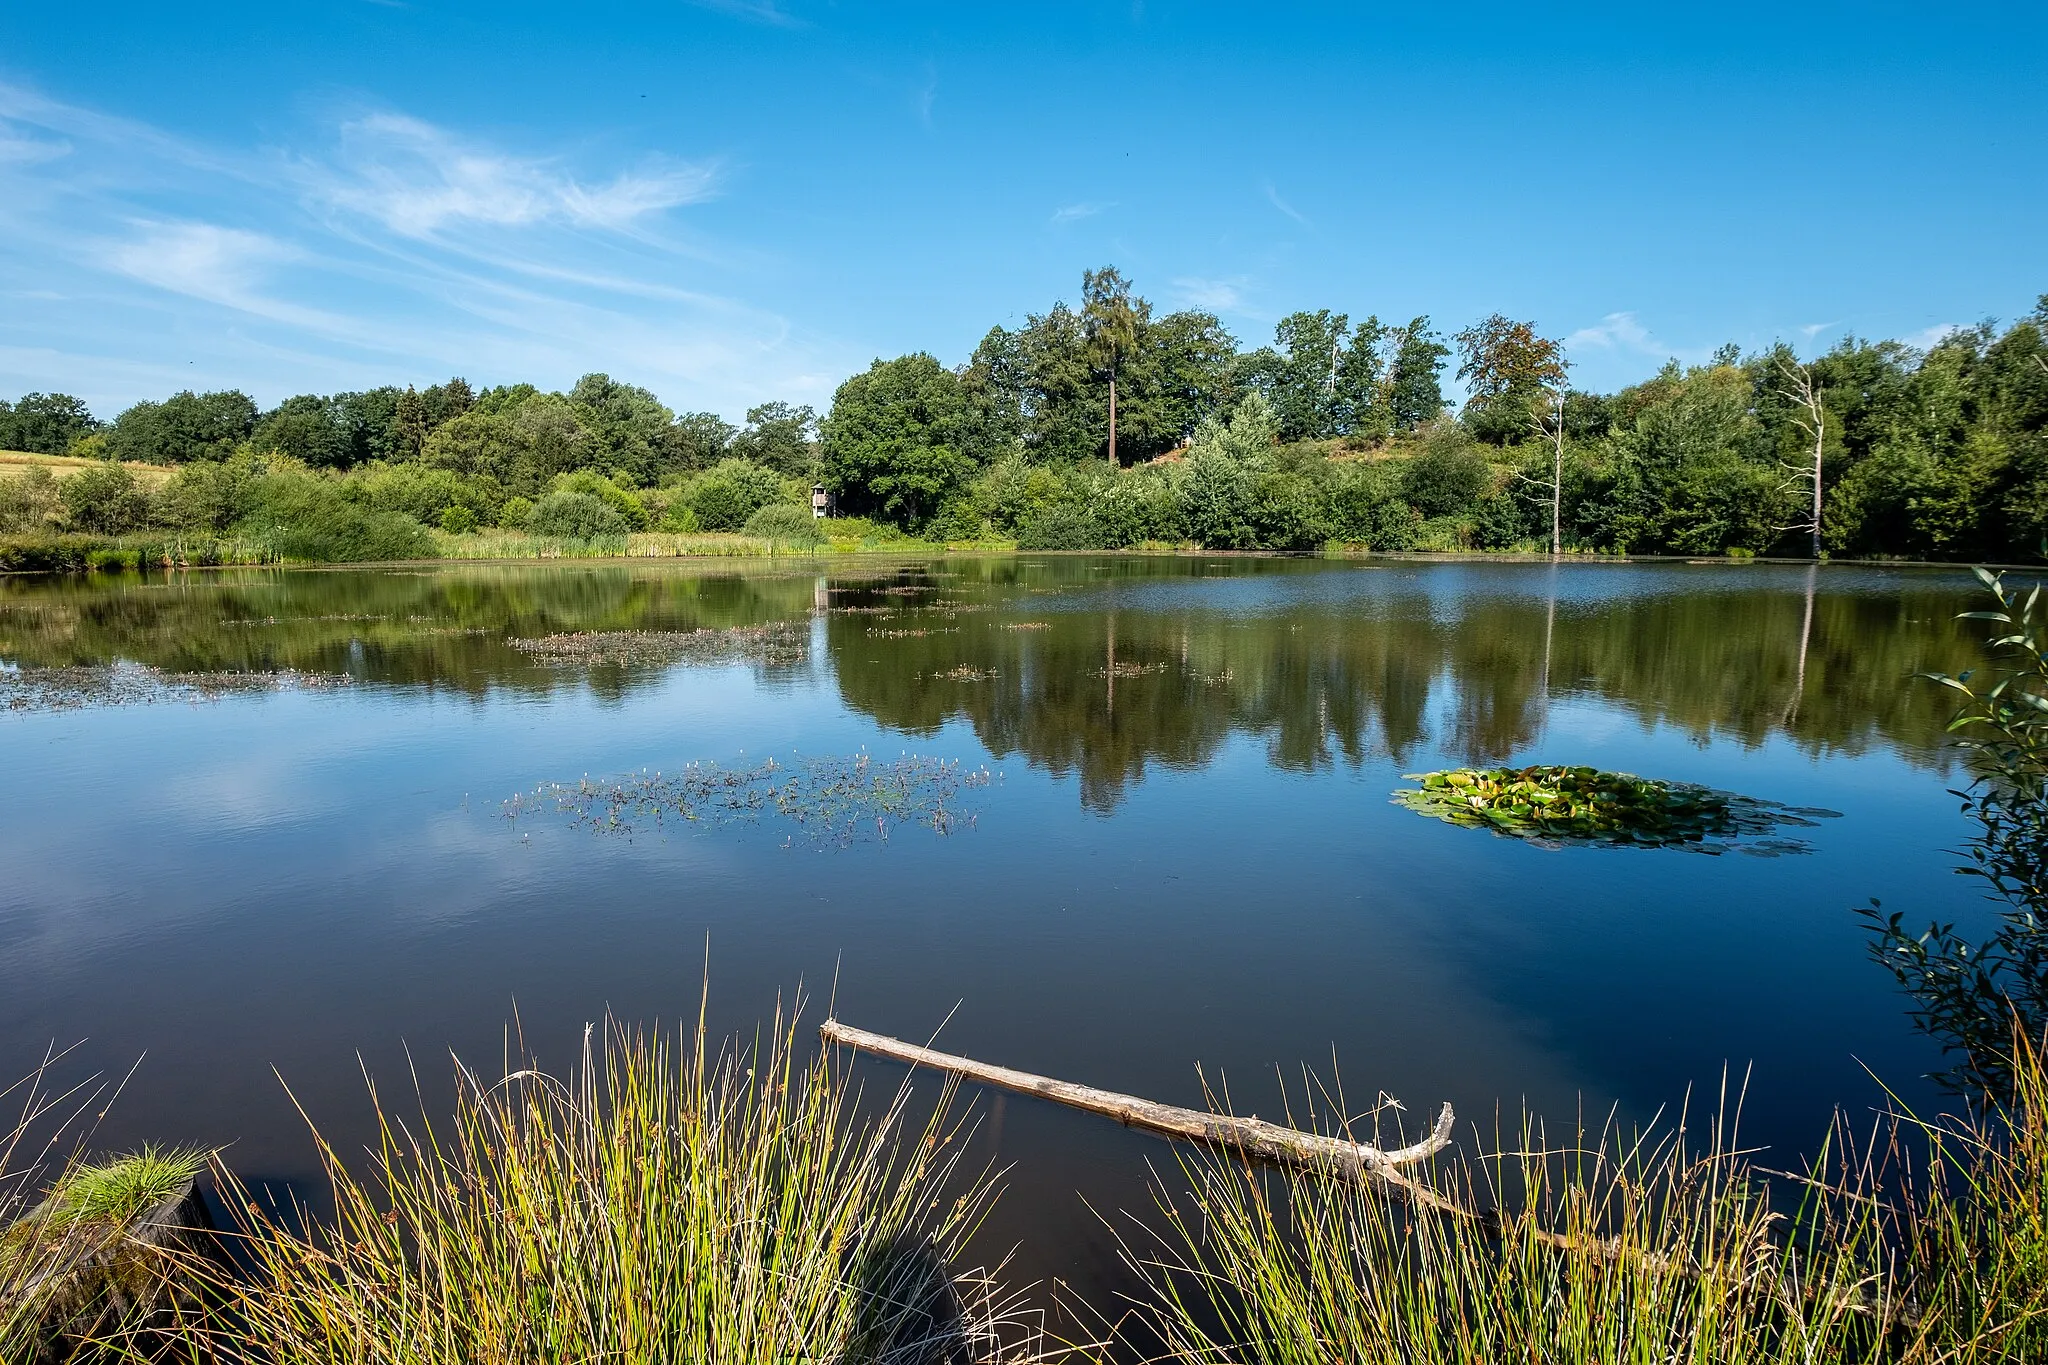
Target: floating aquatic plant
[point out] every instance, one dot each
(777, 643)
(836, 800)
(1558, 805)
(70, 687)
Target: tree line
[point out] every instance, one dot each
(1110, 424)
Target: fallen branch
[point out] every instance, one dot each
(1253, 1137)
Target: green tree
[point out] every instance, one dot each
(105, 498)
(308, 428)
(1413, 380)
(780, 437)
(1511, 372)
(45, 423)
(891, 443)
(1110, 320)
(185, 426)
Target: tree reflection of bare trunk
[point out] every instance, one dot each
(1549, 630)
(1109, 673)
(1805, 635)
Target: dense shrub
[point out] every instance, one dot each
(631, 510)
(309, 519)
(29, 501)
(780, 521)
(725, 496)
(575, 516)
(458, 521)
(1064, 527)
(516, 512)
(1447, 477)
(104, 499)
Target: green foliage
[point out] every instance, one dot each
(727, 495)
(1975, 997)
(777, 437)
(786, 524)
(1448, 477)
(516, 512)
(631, 510)
(127, 1187)
(458, 521)
(1064, 527)
(1587, 806)
(574, 516)
(892, 442)
(185, 426)
(104, 499)
(305, 517)
(45, 423)
(30, 501)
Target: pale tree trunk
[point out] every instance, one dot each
(1800, 388)
(1112, 422)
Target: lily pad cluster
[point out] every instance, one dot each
(1558, 805)
(831, 800)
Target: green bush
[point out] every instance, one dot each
(1065, 527)
(104, 499)
(630, 509)
(781, 522)
(1447, 478)
(458, 521)
(29, 501)
(728, 494)
(516, 512)
(306, 517)
(575, 516)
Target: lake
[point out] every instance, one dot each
(1182, 849)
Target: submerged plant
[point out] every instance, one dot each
(661, 1202)
(1580, 805)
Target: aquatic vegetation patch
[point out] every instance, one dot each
(966, 673)
(72, 687)
(1027, 625)
(779, 643)
(834, 800)
(914, 633)
(1122, 670)
(1557, 805)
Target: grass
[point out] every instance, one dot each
(117, 1191)
(14, 461)
(1928, 1242)
(657, 1203)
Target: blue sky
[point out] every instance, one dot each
(737, 200)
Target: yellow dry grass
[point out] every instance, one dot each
(15, 461)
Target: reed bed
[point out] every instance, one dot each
(639, 545)
(1927, 1242)
(659, 1203)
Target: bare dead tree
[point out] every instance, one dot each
(1804, 394)
(1549, 427)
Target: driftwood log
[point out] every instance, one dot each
(1256, 1138)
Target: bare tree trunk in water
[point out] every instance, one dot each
(1805, 634)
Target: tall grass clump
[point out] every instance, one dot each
(657, 1203)
(1926, 1242)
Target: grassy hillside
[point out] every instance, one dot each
(14, 461)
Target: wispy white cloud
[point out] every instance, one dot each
(25, 149)
(1073, 213)
(1811, 330)
(1615, 331)
(1217, 296)
(1929, 337)
(417, 179)
(1273, 197)
(759, 11)
(369, 249)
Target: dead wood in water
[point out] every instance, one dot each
(1253, 1137)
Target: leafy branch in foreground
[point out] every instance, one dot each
(1555, 805)
(1972, 996)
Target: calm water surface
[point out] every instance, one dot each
(1189, 855)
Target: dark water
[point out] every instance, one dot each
(1189, 856)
